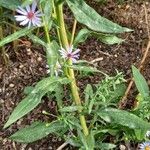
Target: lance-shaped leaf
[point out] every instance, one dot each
(15, 36)
(52, 55)
(105, 38)
(34, 98)
(140, 82)
(37, 130)
(124, 118)
(10, 4)
(89, 17)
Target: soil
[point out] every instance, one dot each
(28, 66)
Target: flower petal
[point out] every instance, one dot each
(33, 7)
(28, 8)
(76, 51)
(20, 17)
(20, 10)
(24, 22)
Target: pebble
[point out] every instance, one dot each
(11, 85)
(122, 147)
(39, 59)
(21, 66)
(1, 101)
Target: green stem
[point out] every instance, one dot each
(74, 88)
(45, 28)
(62, 30)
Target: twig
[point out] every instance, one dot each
(62, 146)
(73, 31)
(141, 63)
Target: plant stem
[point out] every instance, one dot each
(73, 31)
(62, 30)
(45, 28)
(74, 88)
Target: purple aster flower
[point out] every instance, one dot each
(145, 146)
(29, 16)
(70, 54)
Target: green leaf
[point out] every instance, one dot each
(109, 39)
(88, 94)
(81, 36)
(15, 36)
(71, 108)
(89, 17)
(52, 55)
(10, 4)
(36, 131)
(47, 11)
(140, 82)
(124, 118)
(105, 146)
(105, 38)
(27, 2)
(84, 68)
(36, 39)
(28, 90)
(34, 98)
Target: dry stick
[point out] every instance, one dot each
(62, 146)
(141, 63)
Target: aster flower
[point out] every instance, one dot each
(145, 146)
(70, 54)
(28, 15)
(57, 69)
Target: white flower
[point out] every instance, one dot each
(57, 69)
(148, 134)
(70, 54)
(145, 146)
(29, 16)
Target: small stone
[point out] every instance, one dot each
(122, 147)
(29, 52)
(115, 55)
(21, 66)
(11, 85)
(39, 59)
(1, 101)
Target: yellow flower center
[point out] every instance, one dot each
(147, 148)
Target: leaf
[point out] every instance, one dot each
(15, 36)
(83, 68)
(89, 17)
(10, 4)
(52, 55)
(81, 36)
(140, 82)
(88, 94)
(71, 108)
(36, 39)
(47, 11)
(27, 2)
(109, 39)
(105, 146)
(124, 118)
(105, 38)
(36, 131)
(28, 90)
(34, 98)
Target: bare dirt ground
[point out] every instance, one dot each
(28, 67)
